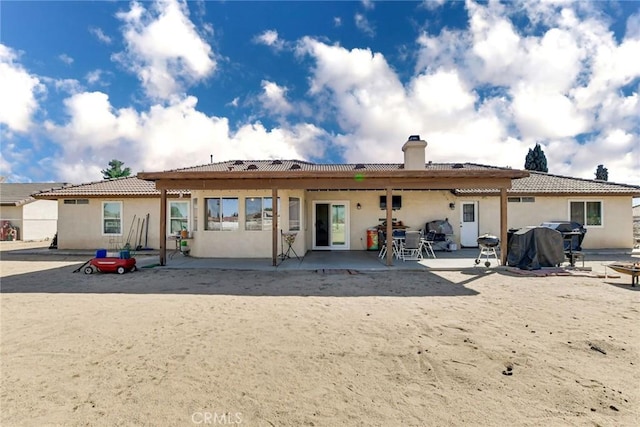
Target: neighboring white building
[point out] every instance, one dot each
(22, 217)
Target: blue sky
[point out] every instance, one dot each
(167, 84)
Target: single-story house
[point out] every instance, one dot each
(227, 207)
(22, 217)
(112, 213)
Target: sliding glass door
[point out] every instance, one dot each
(331, 225)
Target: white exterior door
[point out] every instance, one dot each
(469, 224)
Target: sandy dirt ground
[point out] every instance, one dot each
(166, 347)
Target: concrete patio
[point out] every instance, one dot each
(369, 261)
(314, 260)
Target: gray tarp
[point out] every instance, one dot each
(535, 247)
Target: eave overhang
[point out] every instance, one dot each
(321, 180)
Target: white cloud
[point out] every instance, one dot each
(100, 35)
(368, 4)
(164, 49)
(633, 26)
(63, 85)
(270, 38)
(235, 102)
(65, 58)
(273, 99)
(483, 94)
(432, 4)
(562, 79)
(540, 114)
(337, 21)
(18, 90)
(93, 77)
(363, 24)
(154, 139)
(488, 94)
(6, 168)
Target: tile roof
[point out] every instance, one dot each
(286, 165)
(127, 186)
(540, 183)
(537, 183)
(16, 194)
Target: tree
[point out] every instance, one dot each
(115, 170)
(602, 173)
(536, 160)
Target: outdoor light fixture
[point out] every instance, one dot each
(452, 205)
(358, 206)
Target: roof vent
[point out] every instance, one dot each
(458, 166)
(276, 162)
(359, 166)
(294, 166)
(238, 162)
(252, 167)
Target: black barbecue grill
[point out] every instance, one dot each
(488, 244)
(572, 237)
(572, 233)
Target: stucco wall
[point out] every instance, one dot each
(242, 243)
(417, 209)
(80, 226)
(616, 232)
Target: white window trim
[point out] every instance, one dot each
(262, 213)
(585, 225)
(299, 214)
(121, 218)
(169, 217)
(205, 205)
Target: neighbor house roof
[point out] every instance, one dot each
(540, 184)
(130, 186)
(17, 194)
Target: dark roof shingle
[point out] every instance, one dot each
(16, 194)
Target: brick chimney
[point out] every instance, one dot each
(414, 153)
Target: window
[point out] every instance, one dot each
(112, 218)
(396, 202)
(521, 199)
(178, 217)
(294, 214)
(586, 213)
(468, 213)
(76, 201)
(222, 214)
(194, 202)
(259, 213)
